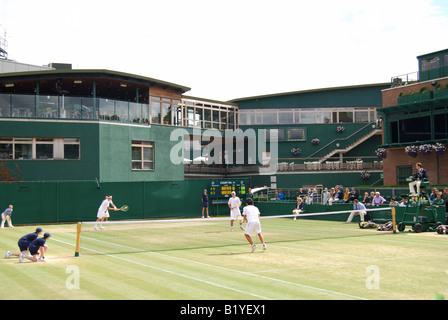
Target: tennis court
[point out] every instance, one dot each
(204, 260)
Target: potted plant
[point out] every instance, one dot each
(296, 151)
(381, 153)
(439, 148)
(441, 91)
(365, 175)
(340, 129)
(425, 149)
(411, 151)
(404, 98)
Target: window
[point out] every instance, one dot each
(142, 155)
(431, 63)
(71, 149)
(403, 172)
(39, 148)
(306, 115)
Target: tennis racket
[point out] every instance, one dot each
(124, 208)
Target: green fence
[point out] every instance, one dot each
(61, 202)
(56, 202)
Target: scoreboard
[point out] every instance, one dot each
(223, 188)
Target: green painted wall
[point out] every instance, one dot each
(326, 133)
(49, 170)
(355, 96)
(115, 153)
(57, 202)
(105, 152)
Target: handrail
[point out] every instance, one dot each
(341, 139)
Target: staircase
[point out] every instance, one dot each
(351, 146)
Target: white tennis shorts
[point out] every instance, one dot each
(103, 214)
(234, 213)
(253, 226)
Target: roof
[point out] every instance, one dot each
(311, 91)
(102, 73)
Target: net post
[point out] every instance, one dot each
(394, 224)
(78, 239)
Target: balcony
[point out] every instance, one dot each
(78, 108)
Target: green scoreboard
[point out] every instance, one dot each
(223, 188)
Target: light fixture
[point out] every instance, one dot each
(9, 85)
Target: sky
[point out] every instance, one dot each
(230, 49)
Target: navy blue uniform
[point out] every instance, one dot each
(205, 200)
(26, 240)
(35, 246)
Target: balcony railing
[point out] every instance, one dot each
(311, 166)
(64, 107)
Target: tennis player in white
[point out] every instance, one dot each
(103, 211)
(234, 204)
(252, 215)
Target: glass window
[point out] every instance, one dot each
(441, 126)
(207, 115)
(361, 115)
(429, 64)
(415, 129)
(71, 107)
(86, 110)
(269, 117)
(142, 155)
(106, 109)
(40, 148)
(145, 113)
(48, 107)
(223, 120)
(6, 150)
(135, 112)
(177, 117)
(285, 116)
(166, 111)
(121, 111)
(307, 116)
(323, 115)
(155, 110)
(345, 115)
(23, 106)
(44, 151)
(72, 149)
(44, 148)
(5, 109)
(231, 124)
(215, 117)
(23, 148)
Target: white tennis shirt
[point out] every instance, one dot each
(252, 213)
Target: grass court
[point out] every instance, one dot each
(204, 260)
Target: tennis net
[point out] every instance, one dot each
(202, 233)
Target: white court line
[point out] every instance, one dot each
(163, 270)
(219, 267)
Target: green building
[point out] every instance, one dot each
(69, 137)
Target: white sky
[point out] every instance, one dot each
(230, 49)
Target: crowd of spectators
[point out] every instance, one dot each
(339, 194)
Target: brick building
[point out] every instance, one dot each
(415, 116)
